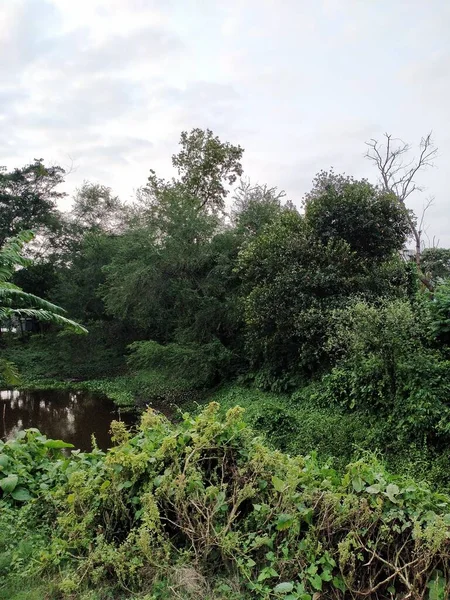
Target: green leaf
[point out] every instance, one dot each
(278, 484)
(57, 444)
(21, 494)
(284, 588)
(339, 584)
(4, 460)
(284, 521)
(374, 489)
(392, 490)
(267, 573)
(9, 483)
(358, 483)
(316, 582)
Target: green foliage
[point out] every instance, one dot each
(17, 304)
(298, 425)
(96, 210)
(435, 263)
(292, 282)
(78, 284)
(64, 355)
(30, 465)
(156, 278)
(14, 302)
(384, 366)
(28, 198)
(204, 508)
(440, 313)
(204, 364)
(181, 297)
(254, 207)
(374, 223)
(206, 165)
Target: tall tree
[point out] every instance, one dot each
(370, 220)
(206, 166)
(95, 208)
(28, 198)
(302, 267)
(254, 206)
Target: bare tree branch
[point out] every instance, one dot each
(398, 176)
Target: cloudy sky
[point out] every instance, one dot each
(106, 86)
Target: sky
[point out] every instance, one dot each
(104, 87)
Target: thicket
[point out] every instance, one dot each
(196, 284)
(203, 509)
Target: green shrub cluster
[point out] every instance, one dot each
(205, 510)
(64, 355)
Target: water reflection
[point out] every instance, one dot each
(69, 416)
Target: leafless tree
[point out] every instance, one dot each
(398, 175)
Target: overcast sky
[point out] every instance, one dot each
(108, 85)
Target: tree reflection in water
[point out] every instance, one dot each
(59, 414)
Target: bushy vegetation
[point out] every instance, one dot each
(313, 320)
(204, 509)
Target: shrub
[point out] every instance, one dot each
(202, 364)
(208, 496)
(385, 367)
(66, 356)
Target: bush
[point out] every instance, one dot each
(209, 498)
(65, 355)
(202, 364)
(297, 425)
(385, 367)
(440, 313)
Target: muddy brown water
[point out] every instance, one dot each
(60, 414)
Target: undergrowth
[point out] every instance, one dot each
(204, 509)
(298, 424)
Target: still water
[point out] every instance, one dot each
(59, 414)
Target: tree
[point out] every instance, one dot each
(371, 221)
(156, 279)
(28, 198)
(77, 285)
(399, 177)
(96, 209)
(303, 267)
(255, 206)
(289, 281)
(206, 165)
(165, 278)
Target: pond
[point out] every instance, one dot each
(60, 414)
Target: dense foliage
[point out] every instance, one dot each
(313, 319)
(204, 509)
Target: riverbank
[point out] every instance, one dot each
(116, 389)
